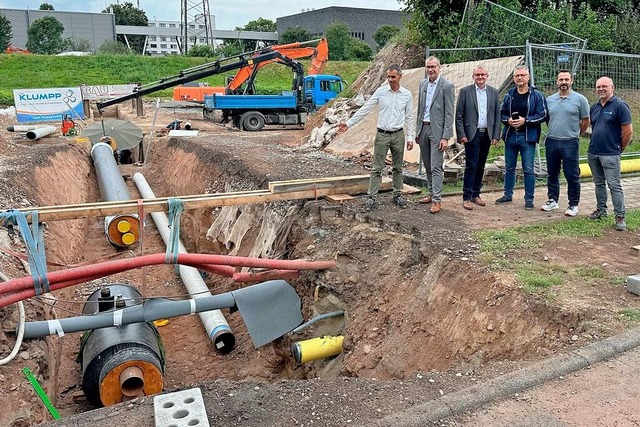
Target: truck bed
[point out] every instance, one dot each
(250, 102)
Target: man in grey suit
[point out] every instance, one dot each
(434, 127)
(477, 127)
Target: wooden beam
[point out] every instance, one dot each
(310, 184)
(91, 210)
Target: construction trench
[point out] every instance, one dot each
(411, 300)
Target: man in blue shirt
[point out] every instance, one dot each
(611, 132)
(568, 119)
(524, 108)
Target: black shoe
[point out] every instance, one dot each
(502, 200)
(596, 215)
(369, 205)
(400, 201)
(528, 205)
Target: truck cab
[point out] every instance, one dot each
(321, 88)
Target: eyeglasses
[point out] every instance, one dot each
(480, 75)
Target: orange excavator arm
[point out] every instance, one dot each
(319, 56)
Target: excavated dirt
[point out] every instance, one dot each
(424, 316)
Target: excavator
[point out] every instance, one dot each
(317, 50)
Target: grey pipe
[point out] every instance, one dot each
(152, 309)
(113, 189)
(317, 319)
(21, 128)
(214, 321)
(40, 132)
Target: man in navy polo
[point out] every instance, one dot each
(611, 132)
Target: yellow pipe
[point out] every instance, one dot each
(626, 166)
(317, 348)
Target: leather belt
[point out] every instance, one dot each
(389, 132)
(482, 129)
(426, 123)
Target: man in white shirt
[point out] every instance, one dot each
(395, 115)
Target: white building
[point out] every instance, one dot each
(164, 37)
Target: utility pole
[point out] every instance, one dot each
(196, 24)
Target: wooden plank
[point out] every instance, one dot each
(338, 198)
(310, 184)
(53, 213)
(408, 189)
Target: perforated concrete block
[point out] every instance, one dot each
(633, 284)
(180, 409)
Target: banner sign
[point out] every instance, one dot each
(92, 93)
(46, 105)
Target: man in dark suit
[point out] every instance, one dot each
(477, 127)
(436, 98)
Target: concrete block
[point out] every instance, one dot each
(633, 284)
(180, 409)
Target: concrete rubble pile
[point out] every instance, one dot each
(342, 109)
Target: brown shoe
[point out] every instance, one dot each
(478, 201)
(426, 200)
(435, 208)
(467, 205)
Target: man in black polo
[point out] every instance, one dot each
(396, 112)
(611, 132)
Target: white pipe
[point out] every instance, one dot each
(214, 321)
(18, 343)
(21, 128)
(40, 132)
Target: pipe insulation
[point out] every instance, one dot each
(214, 321)
(121, 362)
(121, 230)
(40, 132)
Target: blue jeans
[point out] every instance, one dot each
(476, 152)
(514, 145)
(566, 152)
(606, 169)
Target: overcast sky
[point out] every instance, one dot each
(228, 14)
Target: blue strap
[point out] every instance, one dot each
(176, 207)
(34, 242)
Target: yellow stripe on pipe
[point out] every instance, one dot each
(626, 166)
(317, 348)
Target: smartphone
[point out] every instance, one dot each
(515, 115)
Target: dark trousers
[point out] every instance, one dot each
(476, 152)
(567, 153)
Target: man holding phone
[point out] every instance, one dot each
(523, 111)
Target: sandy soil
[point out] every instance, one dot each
(424, 315)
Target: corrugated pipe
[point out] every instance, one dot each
(40, 132)
(214, 321)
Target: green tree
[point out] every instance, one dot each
(359, 51)
(46, 6)
(44, 36)
(5, 33)
(384, 34)
(201, 50)
(79, 45)
(294, 34)
(229, 48)
(435, 23)
(127, 14)
(339, 38)
(260, 24)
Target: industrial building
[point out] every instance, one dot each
(363, 23)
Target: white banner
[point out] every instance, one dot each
(45, 105)
(93, 93)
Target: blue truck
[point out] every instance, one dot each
(253, 112)
(249, 111)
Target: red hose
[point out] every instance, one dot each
(69, 277)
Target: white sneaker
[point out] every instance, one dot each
(551, 205)
(571, 211)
